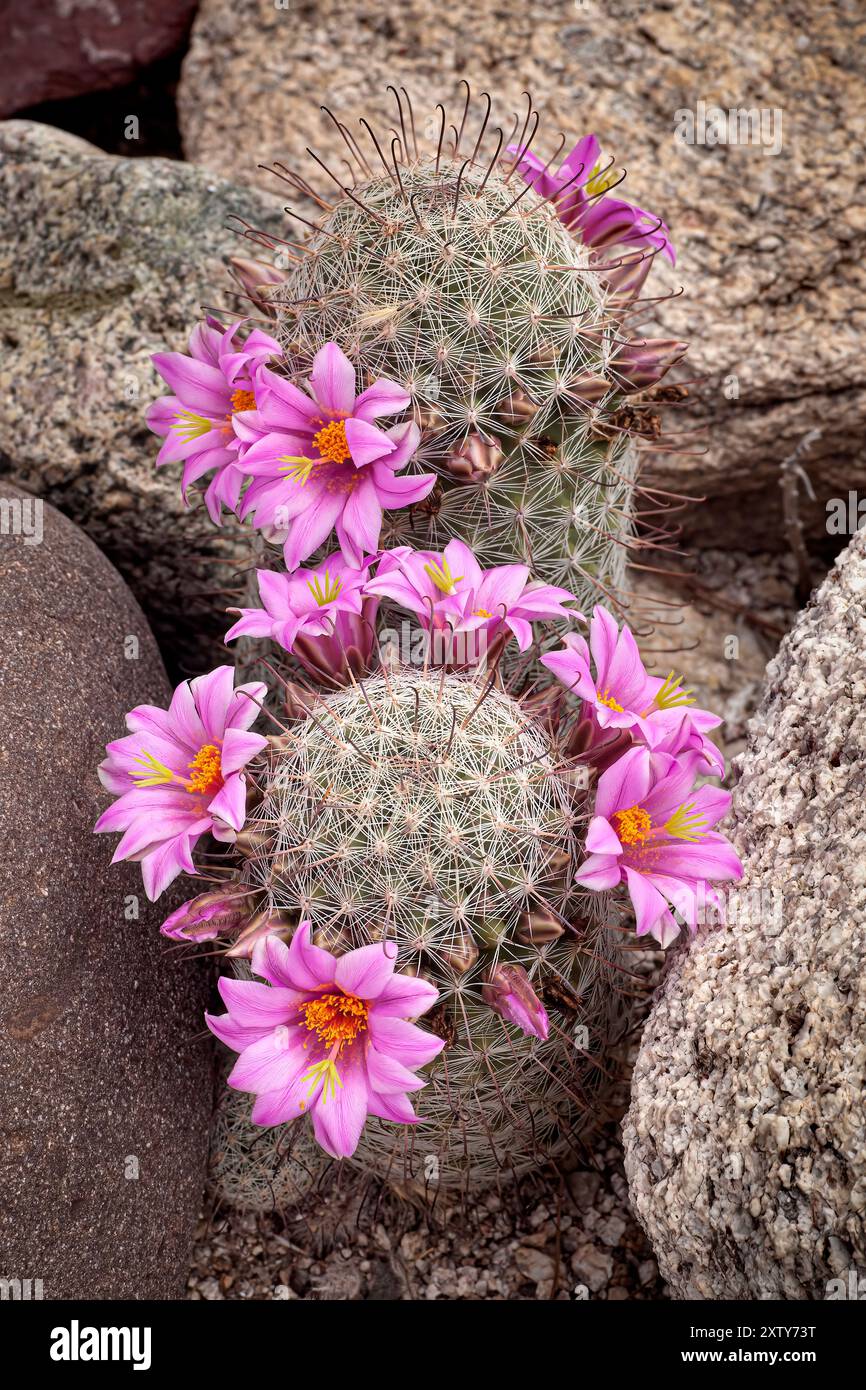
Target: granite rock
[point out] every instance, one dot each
(745, 1142)
(770, 244)
(104, 261)
(105, 1079)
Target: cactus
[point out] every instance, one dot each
(255, 1169)
(436, 811)
(443, 270)
(443, 811)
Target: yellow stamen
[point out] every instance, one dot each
(672, 694)
(157, 775)
(243, 400)
(604, 697)
(633, 826)
(206, 769)
(327, 1071)
(482, 613)
(327, 594)
(442, 576)
(683, 824)
(189, 426)
(599, 182)
(298, 467)
(336, 1019)
(331, 442)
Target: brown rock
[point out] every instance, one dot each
(61, 48)
(770, 245)
(105, 1091)
(717, 627)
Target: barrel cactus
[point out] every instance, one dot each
(433, 810)
(414, 867)
(498, 294)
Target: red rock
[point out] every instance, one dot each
(61, 48)
(105, 1080)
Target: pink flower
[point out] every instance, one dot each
(322, 614)
(179, 773)
(653, 831)
(508, 992)
(214, 394)
(323, 463)
(622, 695)
(451, 593)
(577, 189)
(327, 1036)
(208, 916)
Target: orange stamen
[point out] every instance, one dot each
(633, 826)
(206, 769)
(337, 1019)
(243, 400)
(331, 442)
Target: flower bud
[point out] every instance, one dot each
(539, 927)
(476, 460)
(516, 409)
(264, 923)
(208, 916)
(248, 842)
(589, 388)
(461, 953)
(508, 993)
(638, 365)
(255, 279)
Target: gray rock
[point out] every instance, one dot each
(592, 1266)
(104, 261)
(61, 48)
(536, 1266)
(746, 1138)
(105, 1080)
(770, 245)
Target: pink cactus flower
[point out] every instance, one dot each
(451, 593)
(214, 393)
(322, 614)
(577, 189)
(653, 831)
(324, 463)
(622, 695)
(179, 773)
(508, 992)
(327, 1036)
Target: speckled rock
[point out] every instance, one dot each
(717, 626)
(771, 246)
(105, 1082)
(60, 48)
(104, 261)
(746, 1138)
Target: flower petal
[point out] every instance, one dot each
(339, 1116)
(382, 398)
(405, 996)
(366, 971)
(333, 380)
(413, 1047)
